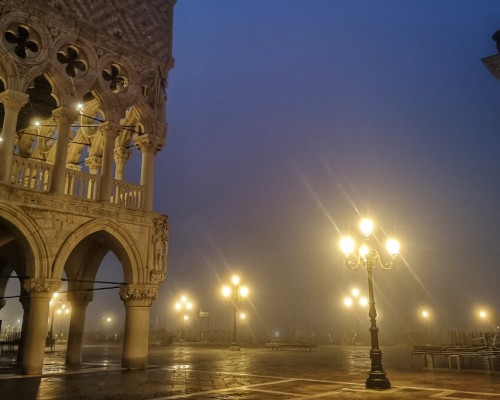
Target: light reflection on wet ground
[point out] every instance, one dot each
(196, 372)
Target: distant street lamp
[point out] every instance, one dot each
(352, 302)
(237, 293)
(369, 258)
(426, 317)
(183, 306)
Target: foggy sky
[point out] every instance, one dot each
(287, 120)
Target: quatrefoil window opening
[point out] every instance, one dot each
(74, 63)
(113, 75)
(22, 41)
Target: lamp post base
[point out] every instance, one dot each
(377, 378)
(234, 347)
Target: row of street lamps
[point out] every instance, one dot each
(235, 291)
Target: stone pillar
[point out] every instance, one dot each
(24, 299)
(40, 292)
(13, 101)
(79, 301)
(149, 145)
(121, 155)
(110, 131)
(94, 164)
(137, 299)
(64, 117)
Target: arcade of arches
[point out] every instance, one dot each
(80, 94)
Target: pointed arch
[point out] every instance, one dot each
(95, 234)
(26, 232)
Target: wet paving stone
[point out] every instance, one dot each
(215, 373)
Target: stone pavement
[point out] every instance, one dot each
(194, 372)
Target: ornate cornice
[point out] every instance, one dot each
(138, 295)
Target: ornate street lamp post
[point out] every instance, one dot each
(369, 258)
(237, 293)
(183, 306)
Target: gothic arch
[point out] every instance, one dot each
(117, 240)
(33, 244)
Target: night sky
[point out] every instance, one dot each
(288, 120)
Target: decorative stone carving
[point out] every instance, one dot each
(41, 287)
(13, 99)
(155, 277)
(149, 143)
(160, 243)
(93, 163)
(64, 116)
(122, 154)
(138, 295)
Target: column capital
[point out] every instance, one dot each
(110, 128)
(122, 154)
(149, 143)
(13, 99)
(65, 115)
(80, 298)
(41, 287)
(138, 295)
(93, 162)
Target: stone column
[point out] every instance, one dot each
(40, 292)
(94, 164)
(121, 155)
(149, 145)
(24, 299)
(137, 299)
(79, 301)
(110, 131)
(13, 101)
(64, 117)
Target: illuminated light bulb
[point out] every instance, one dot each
(37, 123)
(366, 226)
(178, 306)
(235, 279)
(392, 246)
(347, 302)
(347, 245)
(425, 313)
(363, 251)
(363, 301)
(189, 306)
(355, 292)
(226, 291)
(244, 291)
(79, 106)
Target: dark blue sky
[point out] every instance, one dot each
(289, 118)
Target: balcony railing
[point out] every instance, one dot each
(37, 175)
(82, 185)
(31, 174)
(127, 194)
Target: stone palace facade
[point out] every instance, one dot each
(82, 89)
